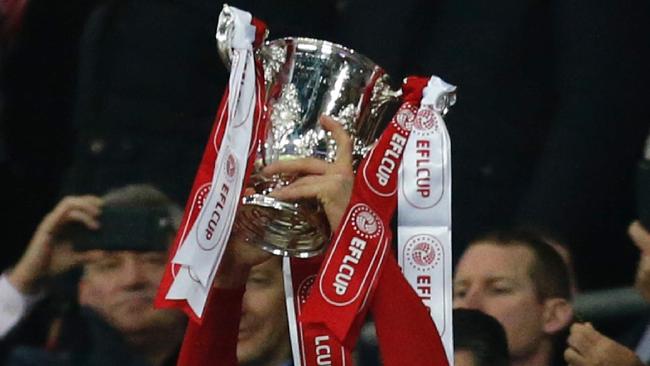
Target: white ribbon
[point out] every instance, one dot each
(424, 210)
(295, 334)
(202, 248)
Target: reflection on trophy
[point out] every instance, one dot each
(305, 78)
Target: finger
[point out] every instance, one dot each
(592, 334)
(573, 358)
(589, 333)
(640, 236)
(643, 270)
(326, 188)
(90, 204)
(579, 338)
(309, 179)
(279, 192)
(342, 139)
(304, 166)
(296, 192)
(83, 217)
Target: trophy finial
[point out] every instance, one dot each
(233, 28)
(440, 95)
(224, 35)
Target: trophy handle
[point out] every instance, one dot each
(382, 97)
(224, 35)
(444, 102)
(225, 27)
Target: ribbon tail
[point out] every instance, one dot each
(394, 325)
(210, 214)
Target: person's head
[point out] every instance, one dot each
(122, 283)
(479, 339)
(523, 282)
(560, 245)
(263, 330)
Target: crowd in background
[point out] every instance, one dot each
(548, 130)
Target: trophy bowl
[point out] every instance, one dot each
(304, 79)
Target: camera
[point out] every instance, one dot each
(123, 228)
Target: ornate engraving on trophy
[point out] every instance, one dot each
(273, 57)
(285, 117)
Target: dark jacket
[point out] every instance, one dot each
(87, 340)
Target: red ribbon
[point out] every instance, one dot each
(204, 175)
(317, 346)
(342, 291)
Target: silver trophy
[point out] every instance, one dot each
(305, 78)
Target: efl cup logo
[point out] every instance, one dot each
(354, 259)
(426, 119)
(199, 200)
(423, 252)
(231, 167)
(366, 223)
(303, 289)
(201, 195)
(405, 117)
(213, 224)
(380, 167)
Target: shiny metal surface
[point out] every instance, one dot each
(309, 78)
(290, 229)
(306, 78)
(223, 35)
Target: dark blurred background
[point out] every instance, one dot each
(548, 129)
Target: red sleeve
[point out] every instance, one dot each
(405, 330)
(214, 342)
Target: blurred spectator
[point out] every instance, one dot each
(123, 256)
(589, 347)
(263, 328)
(641, 237)
(519, 279)
(479, 340)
